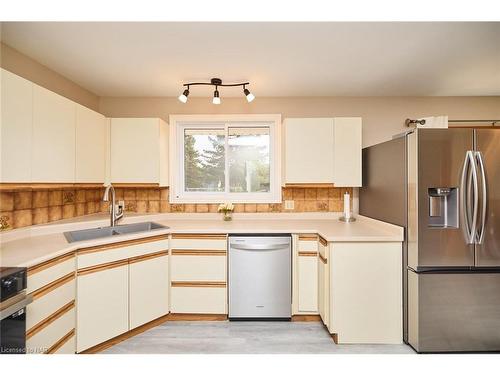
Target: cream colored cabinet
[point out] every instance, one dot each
(91, 146)
(139, 149)
(366, 292)
(306, 275)
(50, 318)
(198, 274)
(16, 128)
(149, 286)
(102, 304)
(53, 151)
(323, 150)
(323, 282)
(347, 148)
(309, 150)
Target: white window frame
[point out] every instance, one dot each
(178, 123)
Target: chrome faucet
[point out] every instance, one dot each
(113, 214)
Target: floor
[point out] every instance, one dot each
(243, 338)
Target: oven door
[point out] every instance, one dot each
(13, 327)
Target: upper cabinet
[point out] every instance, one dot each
(91, 146)
(46, 138)
(53, 158)
(138, 151)
(16, 128)
(323, 151)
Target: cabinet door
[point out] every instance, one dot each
(102, 306)
(347, 151)
(135, 150)
(309, 150)
(308, 283)
(90, 145)
(53, 158)
(16, 121)
(149, 288)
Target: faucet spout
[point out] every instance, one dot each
(114, 214)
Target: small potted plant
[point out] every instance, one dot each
(226, 209)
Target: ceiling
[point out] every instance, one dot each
(279, 59)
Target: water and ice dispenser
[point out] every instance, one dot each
(443, 207)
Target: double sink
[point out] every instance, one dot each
(117, 230)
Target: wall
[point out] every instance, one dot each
(20, 64)
(382, 116)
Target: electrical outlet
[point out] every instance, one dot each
(289, 205)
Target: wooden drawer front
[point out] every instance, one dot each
(46, 338)
(199, 241)
(41, 308)
(198, 267)
(47, 272)
(308, 243)
(94, 256)
(198, 300)
(67, 345)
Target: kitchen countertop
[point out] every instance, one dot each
(26, 247)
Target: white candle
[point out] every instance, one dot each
(347, 208)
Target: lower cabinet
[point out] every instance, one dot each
(102, 304)
(323, 282)
(198, 274)
(148, 289)
(366, 292)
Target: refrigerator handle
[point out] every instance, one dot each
(480, 232)
(469, 167)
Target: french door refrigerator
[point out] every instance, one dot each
(452, 278)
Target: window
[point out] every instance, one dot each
(215, 161)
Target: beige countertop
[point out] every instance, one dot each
(26, 247)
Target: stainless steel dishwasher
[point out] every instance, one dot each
(260, 282)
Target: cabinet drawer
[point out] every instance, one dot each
(199, 241)
(196, 299)
(308, 242)
(198, 267)
(49, 335)
(92, 256)
(47, 272)
(41, 308)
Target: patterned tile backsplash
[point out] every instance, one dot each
(24, 208)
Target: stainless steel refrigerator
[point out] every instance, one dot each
(443, 186)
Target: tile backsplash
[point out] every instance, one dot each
(24, 208)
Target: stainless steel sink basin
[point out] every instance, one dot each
(91, 234)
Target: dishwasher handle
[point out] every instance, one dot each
(260, 247)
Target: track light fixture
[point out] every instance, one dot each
(216, 82)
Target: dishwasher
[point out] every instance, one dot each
(260, 282)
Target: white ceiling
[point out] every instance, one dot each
(279, 59)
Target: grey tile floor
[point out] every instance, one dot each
(243, 338)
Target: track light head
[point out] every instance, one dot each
(184, 96)
(216, 99)
(249, 95)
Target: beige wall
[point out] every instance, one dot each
(20, 64)
(382, 116)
